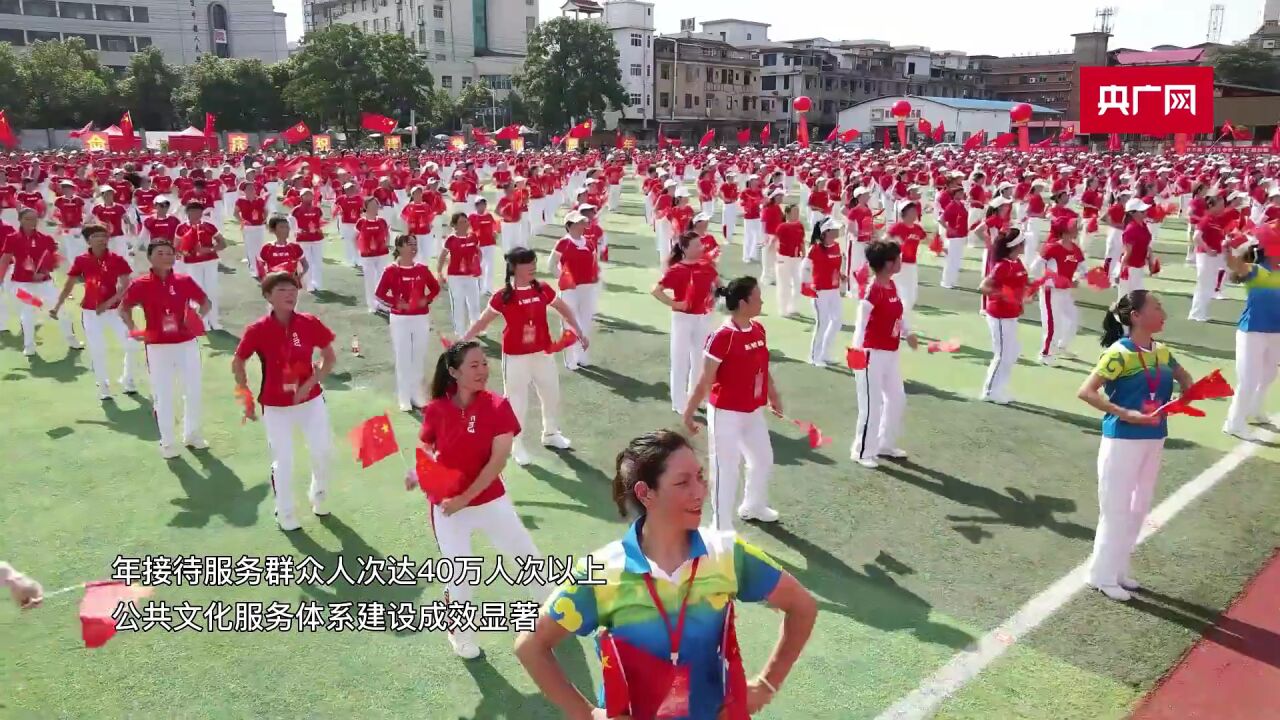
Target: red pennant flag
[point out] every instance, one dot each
(373, 440)
(439, 482)
(835, 133)
(944, 346)
(1181, 407)
(296, 134)
(26, 297)
(940, 131)
(1067, 134)
(126, 125)
(974, 141)
(374, 122)
(567, 338)
(816, 438)
(268, 143)
(850, 135)
(636, 683)
(6, 132)
(1209, 387)
(924, 127)
(193, 322)
(936, 244)
(98, 606)
(617, 695)
(77, 134)
(807, 290)
(246, 403)
(566, 279)
(1113, 142)
(707, 138)
(210, 121)
(581, 130)
(764, 134)
(1155, 266)
(1004, 140)
(856, 359)
(1097, 278)
(555, 139)
(744, 136)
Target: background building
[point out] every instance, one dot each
(181, 31)
(463, 41)
(702, 83)
(963, 117)
(631, 22)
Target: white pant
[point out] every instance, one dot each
(729, 221)
(663, 239)
(735, 436)
(907, 281)
(206, 276)
(855, 259)
(427, 249)
(1033, 230)
(498, 521)
(1125, 285)
(28, 315)
(373, 268)
(828, 313)
(314, 253)
(1113, 250)
(688, 340)
(615, 196)
(788, 284)
(539, 370)
(254, 236)
(1207, 268)
(312, 419)
(1127, 473)
(464, 301)
(583, 300)
(95, 326)
(410, 335)
(512, 236)
(488, 259)
(1059, 319)
(881, 402)
(119, 245)
(347, 233)
(167, 365)
(1257, 358)
(1004, 355)
(769, 262)
(955, 258)
(73, 244)
(753, 234)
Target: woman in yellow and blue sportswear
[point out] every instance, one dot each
(1137, 374)
(1257, 337)
(660, 479)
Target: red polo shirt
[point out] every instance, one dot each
(165, 301)
(286, 350)
(32, 254)
(411, 285)
(195, 243)
(525, 313)
(463, 437)
(101, 277)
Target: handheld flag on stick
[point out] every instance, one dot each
(1209, 387)
(246, 403)
(26, 297)
(566, 339)
(98, 609)
(856, 358)
(437, 481)
(946, 346)
(373, 440)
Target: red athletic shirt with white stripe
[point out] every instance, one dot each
(464, 256)
(161, 228)
(579, 261)
(691, 283)
(112, 216)
(826, 260)
(742, 378)
(275, 256)
(525, 313)
(372, 237)
(1065, 262)
(1007, 273)
(409, 286)
(463, 437)
(910, 237)
(884, 321)
(1137, 238)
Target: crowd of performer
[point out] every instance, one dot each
(143, 235)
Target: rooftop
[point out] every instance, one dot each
(735, 20)
(972, 104)
(1159, 57)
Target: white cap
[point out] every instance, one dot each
(106, 188)
(583, 207)
(66, 183)
(1004, 186)
(682, 192)
(999, 202)
(776, 192)
(828, 223)
(1275, 192)
(861, 190)
(348, 185)
(162, 200)
(752, 177)
(574, 217)
(702, 217)
(670, 184)
(1236, 195)
(1039, 181)
(1135, 205)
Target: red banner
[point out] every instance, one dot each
(1152, 100)
(1224, 149)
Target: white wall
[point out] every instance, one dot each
(737, 32)
(961, 122)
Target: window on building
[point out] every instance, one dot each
(13, 37)
(769, 82)
(386, 24)
(466, 82)
(724, 37)
(664, 71)
(438, 36)
(830, 84)
(141, 14)
(143, 42)
(770, 59)
(36, 36)
(480, 26)
(746, 79)
(710, 74)
(422, 36)
(90, 41)
(748, 36)
(911, 68)
(76, 11)
(437, 12)
(498, 82)
(648, 71)
(440, 57)
(648, 39)
(664, 99)
(697, 100)
(786, 82)
(40, 8)
(11, 7)
(635, 70)
(117, 43)
(364, 26)
(827, 107)
(446, 81)
(530, 23)
(786, 106)
(688, 100)
(635, 98)
(646, 101)
(364, 5)
(710, 101)
(690, 73)
(766, 105)
(636, 40)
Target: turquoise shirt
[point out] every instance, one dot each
(1129, 385)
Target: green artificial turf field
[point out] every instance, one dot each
(910, 562)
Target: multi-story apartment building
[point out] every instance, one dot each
(631, 22)
(703, 83)
(461, 41)
(181, 31)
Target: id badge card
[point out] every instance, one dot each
(676, 703)
(530, 334)
(170, 323)
(1149, 406)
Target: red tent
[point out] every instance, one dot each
(117, 142)
(191, 140)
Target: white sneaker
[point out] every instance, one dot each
(1046, 360)
(764, 514)
(1242, 433)
(869, 463)
(1115, 592)
(29, 351)
(196, 443)
(168, 452)
(558, 441)
(1129, 583)
(74, 343)
(894, 453)
(464, 646)
(521, 456)
(318, 505)
(287, 523)
(1260, 419)
(1219, 296)
(129, 387)
(406, 407)
(104, 391)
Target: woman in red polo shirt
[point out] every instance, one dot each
(407, 287)
(737, 385)
(772, 215)
(33, 256)
(823, 269)
(198, 243)
(469, 432)
(692, 282)
(1137, 258)
(461, 255)
(790, 236)
(485, 227)
(574, 261)
(373, 238)
(526, 345)
(292, 400)
(1004, 290)
(1209, 238)
(908, 234)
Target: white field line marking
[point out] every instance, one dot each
(968, 663)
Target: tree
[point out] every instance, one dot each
(340, 72)
(474, 103)
(65, 86)
(571, 73)
(1243, 65)
(240, 92)
(13, 92)
(147, 89)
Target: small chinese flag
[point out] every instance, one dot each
(816, 438)
(807, 290)
(193, 322)
(856, 359)
(246, 403)
(566, 279)
(26, 297)
(946, 346)
(936, 244)
(617, 696)
(439, 482)
(566, 339)
(744, 136)
(735, 676)
(374, 122)
(97, 607)
(296, 134)
(373, 440)
(707, 138)
(1155, 266)
(1097, 278)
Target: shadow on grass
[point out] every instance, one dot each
(214, 491)
(870, 597)
(64, 371)
(139, 421)
(499, 699)
(625, 386)
(610, 324)
(1244, 638)
(329, 297)
(1016, 509)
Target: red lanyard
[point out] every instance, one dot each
(1153, 375)
(674, 634)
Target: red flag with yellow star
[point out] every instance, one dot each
(373, 440)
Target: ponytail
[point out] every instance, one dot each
(816, 236)
(1119, 317)
(679, 247)
(451, 359)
